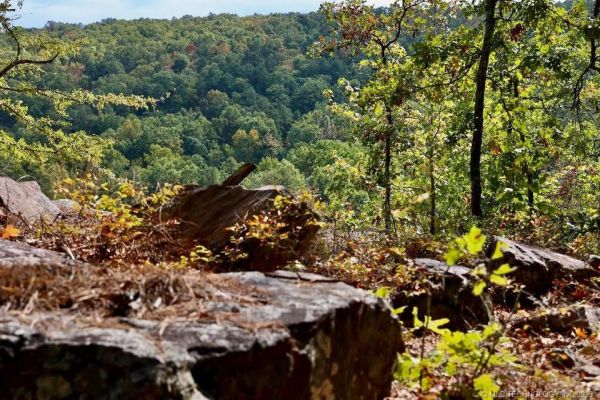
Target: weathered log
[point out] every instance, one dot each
(207, 214)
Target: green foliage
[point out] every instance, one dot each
(271, 237)
(220, 81)
(378, 106)
(116, 221)
(423, 83)
(271, 171)
(234, 89)
(463, 356)
(472, 244)
(468, 357)
(469, 244)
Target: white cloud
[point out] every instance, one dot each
(38, 12)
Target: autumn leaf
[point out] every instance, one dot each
(10, 232)
(107, 231)
(581, 333)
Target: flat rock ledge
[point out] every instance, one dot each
(300, 337)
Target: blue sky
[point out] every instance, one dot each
(36, 13)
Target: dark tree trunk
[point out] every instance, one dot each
(478, 115)
(387, 171)
(530, 198)
(596, 14)
(593, 62)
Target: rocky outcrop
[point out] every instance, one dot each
(63, 358)
(447, 293)
(537, 268)
(346, 352)
(67, 206)
(276, 336)
(562, 320)
(26, 200)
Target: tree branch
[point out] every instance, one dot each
(18, 60)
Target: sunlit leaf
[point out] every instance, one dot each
(452, 256)
(486, 387)
(498, 280)
(479, 287)
(382, 292)
(10, 232)
(498, 250)
(474, 240)
(504, 269)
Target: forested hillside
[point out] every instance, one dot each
(230, 90)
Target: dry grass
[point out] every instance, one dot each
(144, 291)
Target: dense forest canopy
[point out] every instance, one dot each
(230, 90)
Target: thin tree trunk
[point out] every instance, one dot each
(387, 174)
(530, 198)
(478, 115)
(592, 65)
(526, 169)
(432, 191)
(593, 45)
(387, 204)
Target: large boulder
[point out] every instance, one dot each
(538, 268)
(243, 335)
(26, 200)
(52, 356)
(445, 292)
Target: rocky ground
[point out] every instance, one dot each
(552, 329)
(72, 326)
